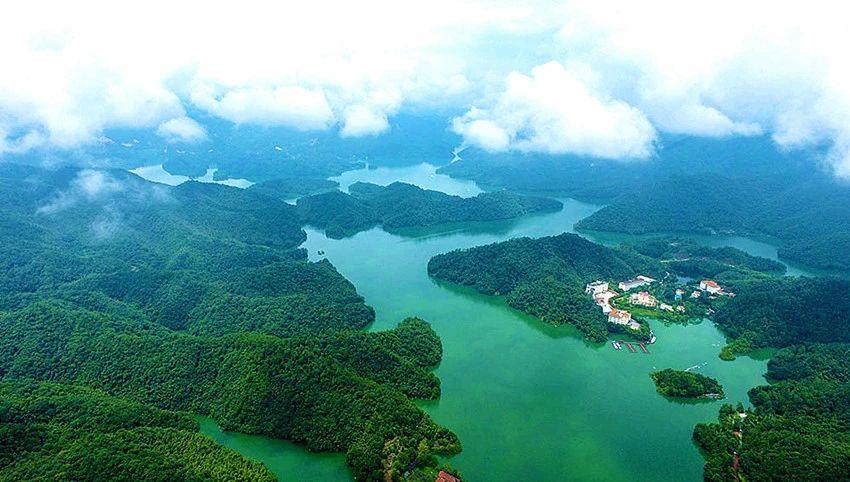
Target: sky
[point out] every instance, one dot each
(598, 78)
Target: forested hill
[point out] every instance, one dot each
(810, 214)
(590, 178)
(545, 277)
(65, 432)
(402, 205)
(799, 429)
(729, 266)
(197, 298)
(286, 188)
(734, 185)
(787, 311)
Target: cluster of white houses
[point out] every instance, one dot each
(602, 294)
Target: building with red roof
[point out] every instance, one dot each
(444, 476)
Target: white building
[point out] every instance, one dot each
(596, 287)
(603, 299)
(710, 286)
(620, 317)
(635, 282)
(666, 307)
(643, 298)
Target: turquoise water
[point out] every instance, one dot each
(528, 400)
(423, 175)
(286, 460)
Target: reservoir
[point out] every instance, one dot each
(529, 401)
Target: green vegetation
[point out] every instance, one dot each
(694, 185)
(786, 311)
(683, 384)
(196, 298)
(799, 428)
(645, 313)
(339, 214)
(581, 178)
(545, 277)
(286, 188)
(687, 258)
(60, 432)
(808, 215)
(591, 178)
(401, 205)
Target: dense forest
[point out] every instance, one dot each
(401, 205)
(291, 188)
(785, 311)
(684, 384)
(545, 277)
(732, 268)
(691, 185)
(197, 298)
(808, 215)
(689, 258)
(799, 428)
(50, 431)
(595, 179)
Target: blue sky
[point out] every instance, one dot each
(599, 78)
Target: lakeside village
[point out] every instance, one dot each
(622, 307)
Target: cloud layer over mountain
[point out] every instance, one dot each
(598, 78)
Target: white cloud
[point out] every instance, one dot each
(69, 73)
(181, 129)
(360, 120)
(484, 133)
(290, 106)
(22, 143)
(94, 184)
(89, 184)
(723, 68)
(556, 110)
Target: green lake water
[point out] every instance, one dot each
(529, 401)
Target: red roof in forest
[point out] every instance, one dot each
(444, 476)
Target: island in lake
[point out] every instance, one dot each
(685, 384)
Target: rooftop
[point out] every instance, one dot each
(444, 476)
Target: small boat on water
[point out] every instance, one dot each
(652, 340)
(617, 345)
